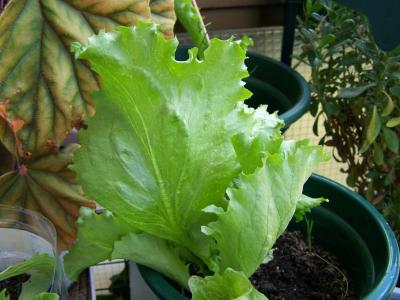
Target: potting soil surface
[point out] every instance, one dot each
(13, 285)
(299, 273)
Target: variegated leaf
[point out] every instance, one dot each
(45, 184)
(39, 79)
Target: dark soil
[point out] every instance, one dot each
(13, 285)
(298, 273)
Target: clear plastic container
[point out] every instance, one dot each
(24, 233)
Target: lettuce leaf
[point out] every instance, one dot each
(95, 242)
(260, 206)
(155, 253)
(228, 285)
(305, 204)
(105, 236)
(161, 137)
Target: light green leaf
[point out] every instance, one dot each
(261, 206)
(305, 204)
(391, 139)
(389, 106)
(309, 6)
(41, 82)
(155, 253)
(393, 122)
(46, 296)
(105, 236)
(327, 40)
(41, 269)
(231, 285)
(189, 17)
(373, 130)
(245, 42)
(262, 135)
(353, 92)
(161, 137)
(3, 295)
(95, 242)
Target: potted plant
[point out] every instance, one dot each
(28, 261)
(199, 161)
(356, 94)
(197, 185)
(358, 235)
(36, 172)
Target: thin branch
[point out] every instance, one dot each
(203, 27)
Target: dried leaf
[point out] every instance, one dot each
(45, 184)
(41, 82)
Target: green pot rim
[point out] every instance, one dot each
(382, 290)
(302, 102)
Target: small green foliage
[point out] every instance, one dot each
(356, 92)
(305, 204)
(309, 229)
(246, 42)
(3, 295)
(228, 285)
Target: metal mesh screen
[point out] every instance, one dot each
(102, 274)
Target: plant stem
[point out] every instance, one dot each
(310, 225)
(203, 27)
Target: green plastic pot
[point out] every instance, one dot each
(349, 227)
(274, 84)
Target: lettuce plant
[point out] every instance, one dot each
(187, 173)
